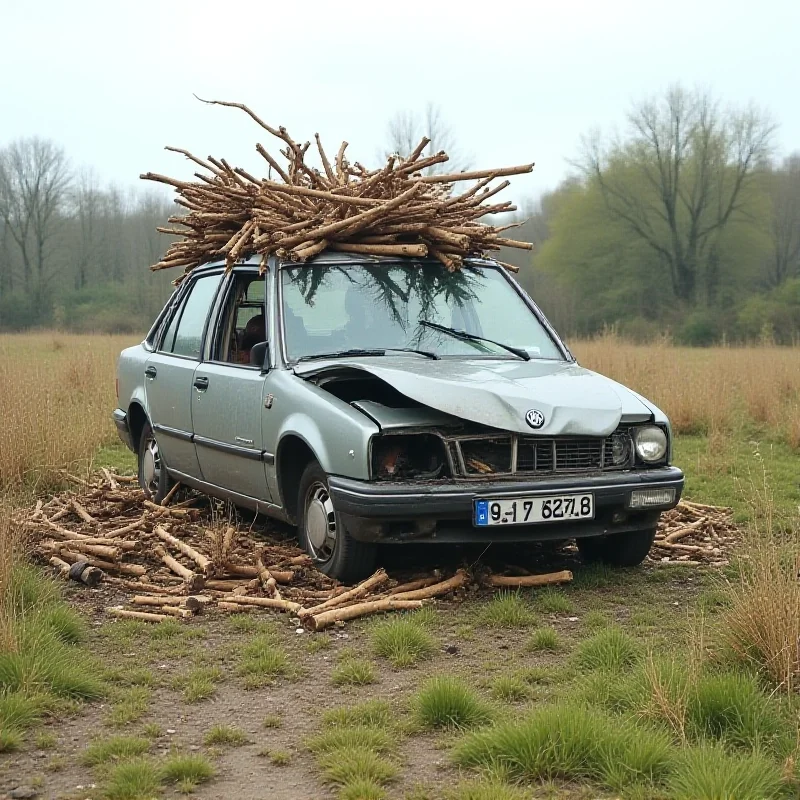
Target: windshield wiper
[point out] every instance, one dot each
(471, 337)
(426, 353)
(344, 354)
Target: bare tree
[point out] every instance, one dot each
(406, 128)
(783, 186)
(678, 179)
(88, 203)
(34, 179)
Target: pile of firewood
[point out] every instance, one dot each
(694, 533)
(176, 561)
(301, 210)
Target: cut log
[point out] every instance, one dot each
(83, 513)
(141, 586)
(205, 564)
(227, 542)
(115, 532)
(101, 551)
(179, 513)
(192, 579)
(327, 618)
(520, 581)
(88, 575)
(171, 493)
(108, 566)
(225, 606)
(110, 478)
(224, 586)
(175, 611)
(264, 602)
(435, 590)
(118, 611)
(267, 581)
(352, 594)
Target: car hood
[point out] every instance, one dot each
(573, 400)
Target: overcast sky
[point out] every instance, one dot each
(518, 81)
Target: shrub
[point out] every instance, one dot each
(347, 765)
(543, 639)
(187, 770)
(353, 672)
(446, 702)
(510, 688)
(133, 780)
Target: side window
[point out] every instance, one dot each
(184, 336)
(243, 323)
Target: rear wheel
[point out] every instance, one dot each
(324, 536)
(626, 549)
(153, 476)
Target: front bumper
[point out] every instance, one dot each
(121, 421)
(443, 512)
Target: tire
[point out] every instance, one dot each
(627, 549)
(153, 476)
(323, 535)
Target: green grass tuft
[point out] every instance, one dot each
(374, 713)
(353, 672)
(356, 736)
(347, 765)
(362, 789)
(610, 650)
(596, 620)
(510, 688)
(507, 610)
(199, 683)
(447, 702)
(709, 773)
(115, 748)
(402, 641)
(187, 770)
(225, 735)
(66, 625)
(572, 743)
(262, 661)
(731, 707)
(280, 758)
(543, 639)
(553, 601)
(272, 721)
(19, 710)
(45, 740)
(132, 706)
(10, 740)
(133, 780)
(487, 790)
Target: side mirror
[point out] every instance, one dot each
(258, 354)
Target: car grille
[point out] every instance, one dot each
(512, 454)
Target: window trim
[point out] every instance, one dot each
(180, 307)
(219, 312)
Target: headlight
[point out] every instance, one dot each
(651, 444)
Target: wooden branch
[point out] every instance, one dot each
(457, 581)
(530, 580)
(192, 579)
(205, 564)
(327, 618)
(264, 602)
(118, 611)
(363, 588)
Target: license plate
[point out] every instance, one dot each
(532, 510)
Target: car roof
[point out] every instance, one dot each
(332, 257)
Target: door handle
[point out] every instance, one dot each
(151, 372)
(201, 384)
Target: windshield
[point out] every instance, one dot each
(330, 309)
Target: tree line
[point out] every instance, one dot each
(683, 224)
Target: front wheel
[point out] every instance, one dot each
(153, 476)
(626, 549)
(324, 536)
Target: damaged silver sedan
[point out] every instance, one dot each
(375, 400)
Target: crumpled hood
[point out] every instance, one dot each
(574, 401)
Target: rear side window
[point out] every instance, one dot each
(184, 336)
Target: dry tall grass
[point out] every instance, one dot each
(57, 393)
(762, 625)
(56, 399)
(706, 389)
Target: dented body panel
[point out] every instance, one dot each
(573, 400)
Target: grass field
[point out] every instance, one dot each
(660, 682)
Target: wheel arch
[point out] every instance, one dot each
(293, 456)
(137, 417)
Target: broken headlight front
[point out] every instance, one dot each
(418, 456)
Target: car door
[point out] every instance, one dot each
(169, 375)
(227, 398)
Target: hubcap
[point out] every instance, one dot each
(320, 522)
(151, 466)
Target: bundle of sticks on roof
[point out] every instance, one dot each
(300, 210)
